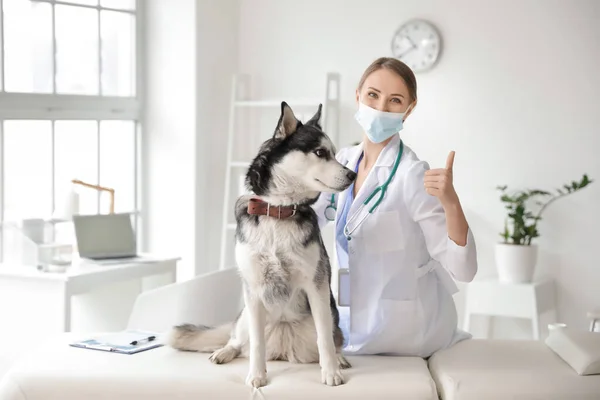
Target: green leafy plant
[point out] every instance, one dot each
(525, 222)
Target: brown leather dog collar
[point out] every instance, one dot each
(259, 207)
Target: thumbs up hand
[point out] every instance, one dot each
(438, 183)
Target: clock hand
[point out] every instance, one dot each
(411, 42)
(413, 47)
(406, 52)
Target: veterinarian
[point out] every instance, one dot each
(402, 238)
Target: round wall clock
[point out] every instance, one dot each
(418, 44)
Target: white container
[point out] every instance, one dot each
(34, 229)
(31, 243)
(516, 263)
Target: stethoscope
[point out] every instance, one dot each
(331, 209)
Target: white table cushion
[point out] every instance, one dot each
(580, 349)
(57, 371)
(508, 369)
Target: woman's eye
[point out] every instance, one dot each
(396, 100)
(320, 153)
(374, 95)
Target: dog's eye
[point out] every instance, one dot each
(320, 153)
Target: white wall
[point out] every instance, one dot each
(218, 27)
(169, 132)
(191, 49)
(516, 95)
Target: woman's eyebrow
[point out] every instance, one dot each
(379, 91)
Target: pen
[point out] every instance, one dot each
(149, 338)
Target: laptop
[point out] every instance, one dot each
(106, 237)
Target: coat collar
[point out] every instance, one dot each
(386, 157)
(376, 175)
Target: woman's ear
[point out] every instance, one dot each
(357, 96)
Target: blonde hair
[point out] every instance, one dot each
(397, 66)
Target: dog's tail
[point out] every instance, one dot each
(199, 338)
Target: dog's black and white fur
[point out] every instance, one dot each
(290, 312)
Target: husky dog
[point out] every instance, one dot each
(290, 312)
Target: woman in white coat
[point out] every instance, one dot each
(402, 247)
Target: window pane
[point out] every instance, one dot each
(120, 4)
(118, 53)
(76, 157)
(27, 169)
(28, 46)
(76, 50)
(117, 164)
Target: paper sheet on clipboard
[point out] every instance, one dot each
(120, 342)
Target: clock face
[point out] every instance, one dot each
(417, 43)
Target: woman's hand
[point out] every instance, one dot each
(438, 183)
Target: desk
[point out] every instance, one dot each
(81, 277)
(519, 300)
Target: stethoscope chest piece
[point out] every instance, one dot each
(330, 211)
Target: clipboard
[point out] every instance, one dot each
(121, 342)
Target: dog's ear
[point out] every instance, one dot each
(316, 119)
(287, 124)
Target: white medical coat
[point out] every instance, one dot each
(401, 261)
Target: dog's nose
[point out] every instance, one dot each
(351, 175)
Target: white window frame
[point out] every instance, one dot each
(53, 107)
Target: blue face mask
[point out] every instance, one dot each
(378, 125)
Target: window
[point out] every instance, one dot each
(69, 106)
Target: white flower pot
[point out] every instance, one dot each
(515, 263)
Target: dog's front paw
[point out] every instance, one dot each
(256, 380)
(332, 377)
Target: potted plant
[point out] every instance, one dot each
(516, 255)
